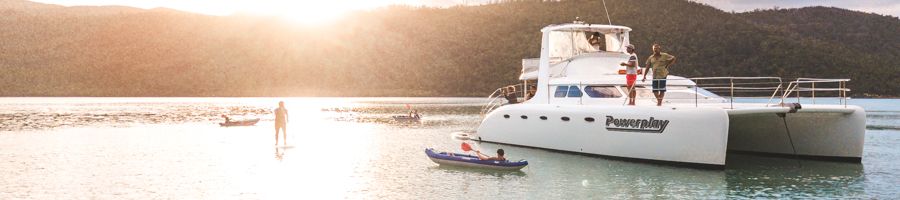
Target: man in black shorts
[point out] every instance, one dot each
(660, 63)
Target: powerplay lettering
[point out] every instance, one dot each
(636, 125)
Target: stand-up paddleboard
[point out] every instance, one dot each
(249, 122)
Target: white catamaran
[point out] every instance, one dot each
(575, 102)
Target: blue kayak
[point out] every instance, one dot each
(463, 160)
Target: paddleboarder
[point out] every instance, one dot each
(281, 119)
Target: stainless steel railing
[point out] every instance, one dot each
(732, 86)
(498, 98)
(797, 86)
(739, 85)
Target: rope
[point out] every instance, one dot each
(788, 130)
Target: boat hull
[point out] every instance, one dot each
(833, 132)
(682, 135)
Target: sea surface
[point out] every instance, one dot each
(173, 148)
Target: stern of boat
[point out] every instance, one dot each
(830, 132)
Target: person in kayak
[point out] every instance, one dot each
(227, 119)
(281, 119)
(485, 157)
(414, 114)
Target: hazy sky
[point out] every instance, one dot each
(316, 11)
(884, 7)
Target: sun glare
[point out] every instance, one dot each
(304, 12)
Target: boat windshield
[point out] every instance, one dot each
(568, 44)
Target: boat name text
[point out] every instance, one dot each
(636, 125)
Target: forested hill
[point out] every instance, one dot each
(48, 50)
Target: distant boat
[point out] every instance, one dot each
(248, 122)
(405, 118)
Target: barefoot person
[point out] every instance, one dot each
(630, 72)
(281, 119)
(660, 63)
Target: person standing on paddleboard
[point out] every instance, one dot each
(281, 119)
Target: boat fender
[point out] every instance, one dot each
(793, 107)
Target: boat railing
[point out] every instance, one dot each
(498, 98)
(735, 86)
(800, 85)
(726, 87)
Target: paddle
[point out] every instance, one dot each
(466, 147)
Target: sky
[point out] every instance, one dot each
(884, 7)
(316, 11)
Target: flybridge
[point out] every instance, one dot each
(636, 125)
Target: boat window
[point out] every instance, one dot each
(602, 92)
(574, 91)
(565, 44)
(561, 91)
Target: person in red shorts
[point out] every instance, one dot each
(630, 72)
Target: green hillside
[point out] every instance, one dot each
(402, 51)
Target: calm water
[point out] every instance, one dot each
(150, 148)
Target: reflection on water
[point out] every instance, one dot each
(766, 177)
(352, 149)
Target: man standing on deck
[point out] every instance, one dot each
(281, 119)
(630, 72)
(660, 63)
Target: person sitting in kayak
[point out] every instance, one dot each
(414, 114)
(227, 119)
(498, 158)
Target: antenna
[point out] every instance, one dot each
(607, 13)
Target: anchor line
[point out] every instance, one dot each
(788, 131)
